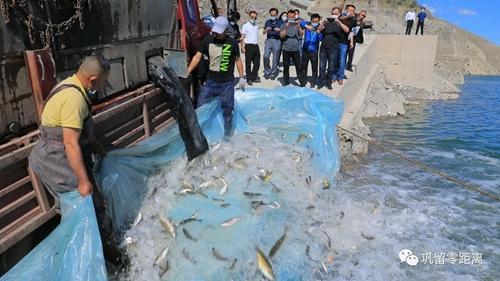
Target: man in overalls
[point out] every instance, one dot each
(62, 158)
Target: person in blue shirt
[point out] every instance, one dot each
(421, 19)
(272, 45)
(310, 47)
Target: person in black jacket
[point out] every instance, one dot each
(357, 37)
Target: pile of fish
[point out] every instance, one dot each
(243, 211)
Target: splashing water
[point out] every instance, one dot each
(271, 189)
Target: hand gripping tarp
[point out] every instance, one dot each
(285, 112)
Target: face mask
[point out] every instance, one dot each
(315, 24)
(92, 94)
(273, 18)
(252, 21)
(284, 18)
(291, 20)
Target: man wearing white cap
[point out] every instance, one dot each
(223, 53)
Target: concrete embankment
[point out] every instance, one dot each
(390, 70)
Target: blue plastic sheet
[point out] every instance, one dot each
(73, 251)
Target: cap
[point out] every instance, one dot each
(220, 25)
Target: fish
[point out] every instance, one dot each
(218, 199)
(188, 235)
(326, 183)
(303, 137)
(190, 219)
(233, 263)
(367, 237)
(218, 256)
(184, 191)
(275, 188)
(152, 193)
(248, 182)
(187, 256)
(308, 181)
(277, 244)
(257, 203)
(225, 205)
(230, 222)
(137, 220)
(251, 194)
(324, 267)
(341, 214)
(207, 184)
(215, 147)
(308, 254)
(167, 225)
(310, 207)
(265, 175)
(162, 262)
(224, 185)
(316, 223)
(264, 265)
(329, 243)
(259, 151)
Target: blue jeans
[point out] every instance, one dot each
(225, 92)
(327, 56)
(341, 61)
(272, 46)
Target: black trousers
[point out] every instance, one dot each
(309, 56)
(420, 25)
(252, 57)
(350, 56)
(295, 56)
(409, 26)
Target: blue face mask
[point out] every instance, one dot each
(273, 18)
(92, 94)
(252, 21)
(291, 20)
(315, 24)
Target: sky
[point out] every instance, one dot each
(477, 16)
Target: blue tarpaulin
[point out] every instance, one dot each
(73, 250)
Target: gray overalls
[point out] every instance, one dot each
(49, 161)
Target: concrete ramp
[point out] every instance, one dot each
(407, 60)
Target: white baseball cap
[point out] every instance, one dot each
(220, 25)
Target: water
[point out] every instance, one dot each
(405, 208)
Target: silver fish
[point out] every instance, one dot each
(218, 256)
(162, 262)
(225, 205)
(224, 185)
(167, 225)
(188, 235)
(137, 220)
(230, 222)
(192, 218)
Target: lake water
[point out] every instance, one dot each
(454, 232)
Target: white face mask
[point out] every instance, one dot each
(284, 18)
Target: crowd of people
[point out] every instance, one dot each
(327, 44)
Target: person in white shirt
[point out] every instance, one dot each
(250, 47)
(410, 19)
